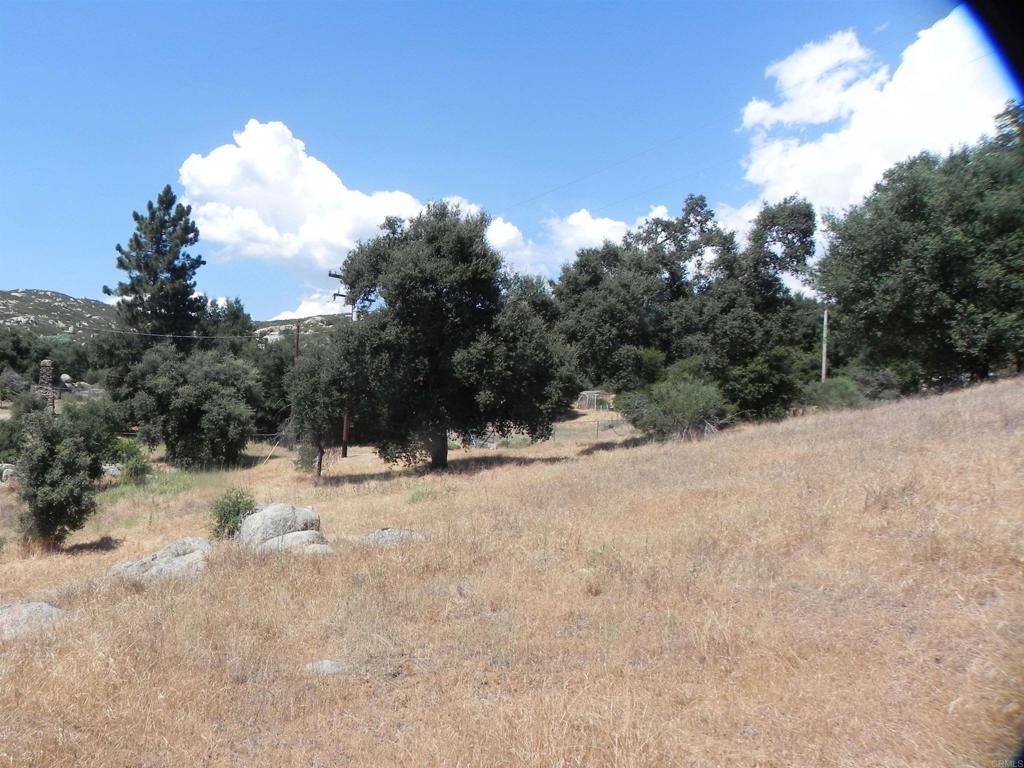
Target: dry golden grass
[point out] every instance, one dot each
(836, 590)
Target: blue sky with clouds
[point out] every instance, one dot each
(293, 129)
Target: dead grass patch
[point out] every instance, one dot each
(841, 589)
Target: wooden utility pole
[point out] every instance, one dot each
(824, 346)
(295, 356)
(344, 435)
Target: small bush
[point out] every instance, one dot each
(682, 407)
(11, 383)
(26, 403)
(10, 440)
(833, 394)
(876, 383)
(135, 470)
(122, 450)
(228, 510)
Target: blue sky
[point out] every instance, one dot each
(294, 128)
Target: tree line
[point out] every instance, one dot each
(690, 326)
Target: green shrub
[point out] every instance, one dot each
(26, 403)
(55, 471)
(11, 383)
(135, 470)
(765, 386)
(683, 407)
(98, 423)
(833, 394)
(228, 511)
(876, 383)
(123, 450)
(10, 440)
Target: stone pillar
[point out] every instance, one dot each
(46, 384)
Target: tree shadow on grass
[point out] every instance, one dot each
(614, 445)
(102, 544)
(469, 465)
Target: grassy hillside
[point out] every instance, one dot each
(49, 312)
(837, 590)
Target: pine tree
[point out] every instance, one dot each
(159, 295)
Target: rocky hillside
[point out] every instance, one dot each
(274, 330)
(50, 312)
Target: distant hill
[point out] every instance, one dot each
(273, 330)
(48, 312)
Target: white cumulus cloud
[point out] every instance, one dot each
(818, 83)
(264, 196)
(945, 92)
(560, 238)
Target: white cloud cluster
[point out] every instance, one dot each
(561, 238)
(945, 92)
(818, 83)
(265, 197)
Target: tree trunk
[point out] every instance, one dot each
(439, 450)
(319, 460)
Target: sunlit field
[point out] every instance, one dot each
(840, 589)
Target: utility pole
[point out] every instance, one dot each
(295, 356)
(824, 346)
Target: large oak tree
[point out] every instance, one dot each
(450, 344)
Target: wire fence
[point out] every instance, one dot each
(591, 429)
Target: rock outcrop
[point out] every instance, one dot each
(280, 527)
(386, 537)
(20, 618)
(184, 557)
